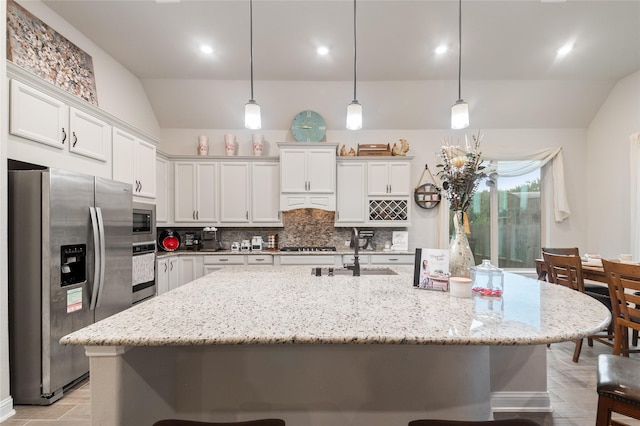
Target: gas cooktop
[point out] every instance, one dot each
(307, 248)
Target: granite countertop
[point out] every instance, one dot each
(161, 254)
(287, 305)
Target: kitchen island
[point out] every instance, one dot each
(246, 342)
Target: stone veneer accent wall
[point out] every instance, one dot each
(302, 227)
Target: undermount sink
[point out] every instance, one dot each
(345, 271)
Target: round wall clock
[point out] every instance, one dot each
(308, 126)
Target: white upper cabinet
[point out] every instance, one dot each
(162, 190)
(265, 193)
(250, 193)
(307, 175)
(195, 191)
(389, 178)
(134, 162)
(351, 192)
(235, 187)
(89, 136)
(37, 116)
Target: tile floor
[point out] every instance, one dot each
(572, 389)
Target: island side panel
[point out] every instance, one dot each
(308, 385)
(519, 379)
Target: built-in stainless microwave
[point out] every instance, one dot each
(144, 222)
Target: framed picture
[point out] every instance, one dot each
(431, 269)
(37, 48)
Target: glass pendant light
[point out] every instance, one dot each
(460, 110)
(354, 109)
(252, 118)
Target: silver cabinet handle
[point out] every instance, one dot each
(171, 266)
(64, 136)
(393, 260)
(193, 215)
(75, 139)
(246, 214)
(259, 260)
(197, 215)
(165, 267)
(223, 260)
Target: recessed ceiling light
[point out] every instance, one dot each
(441, 49)
(564, 50)
(206, 49)
(322, 50)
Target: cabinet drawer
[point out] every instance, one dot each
(224, 260)
(257, 259)
(308, 260)
(349, 259)
(392, 259)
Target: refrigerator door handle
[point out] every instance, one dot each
(102, 254)
(97, 257)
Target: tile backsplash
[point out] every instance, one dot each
(302, 227)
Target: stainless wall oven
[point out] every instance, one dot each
(144, 252)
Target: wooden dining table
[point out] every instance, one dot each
(589, 272)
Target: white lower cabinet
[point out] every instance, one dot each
(190, 268)
(167, 274)
(301, 259)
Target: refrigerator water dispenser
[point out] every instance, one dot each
(73, 264)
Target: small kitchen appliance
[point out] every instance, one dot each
(256, 243)
(235, 246)
(368, 236)
(169, 240)
(245, 245)
(209, 240)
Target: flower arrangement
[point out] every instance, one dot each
(461, 171)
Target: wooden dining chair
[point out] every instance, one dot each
(624, 287)
(541, 267)
(567, 271)
(618, 386)
(259, 422)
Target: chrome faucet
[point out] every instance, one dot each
(355, 242)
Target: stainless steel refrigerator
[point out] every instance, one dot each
(70, 255)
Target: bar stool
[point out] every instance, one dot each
(618, 388)
(502, 422)
(259, 422)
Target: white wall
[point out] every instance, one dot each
(120, 93)
(425, 230)
(6, 402)
(608, 166)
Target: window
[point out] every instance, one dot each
(505, 221)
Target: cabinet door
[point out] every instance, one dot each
(90, 136)
(174, 273)
(187, 269)
(144, 169)
(293, 174)
(265, 193)
(378, 178)
(351, 192)
(185, 192)
(162, 188)
(162, 276)
(123, 153)
(234, 192)
(38, 117)
(206, 185)
(399, 178)
(321, 170)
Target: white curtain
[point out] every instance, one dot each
(635, 199)
(514, 161)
